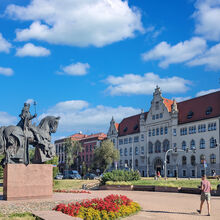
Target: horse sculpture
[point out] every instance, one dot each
(15, 141)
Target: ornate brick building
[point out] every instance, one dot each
(190, 128)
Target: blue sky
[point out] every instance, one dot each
(88, 60)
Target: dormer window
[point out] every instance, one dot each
(190, 115)
(208, 110)
(125, 129)
(136, 127)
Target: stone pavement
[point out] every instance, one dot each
(155, 205)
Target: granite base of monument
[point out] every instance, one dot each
(34, 181)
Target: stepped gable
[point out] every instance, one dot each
(168, 103)
(130, 125)
(199, 108)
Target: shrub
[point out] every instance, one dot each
(120, 175)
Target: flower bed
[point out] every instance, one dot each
(111, 207)
(72, 191)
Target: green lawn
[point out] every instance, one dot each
(18, 216)
(172, 182)
(72, 184)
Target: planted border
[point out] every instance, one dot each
(109, 208)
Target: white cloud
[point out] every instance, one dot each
(6, 71)
(78, 115)
(181, 99)
(211, 58)
(77, 23)
(181, 52)
(136, 84)
(205, 92)
(4, 45)
(30, 49)
(29, 101)
(6, 119)
(207, 16)
(75, 69)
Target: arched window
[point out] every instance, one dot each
(212, 142)
(157, 147)
(183, 145)
(202, 144)
(192, 145)
(213, 159)
(136, 162)
(121, 153)
(136, 151)
(202, 158)
(166, 145)
(150, 147)
(193, 160)
(184, 160)
(126, 152)
(130, 151)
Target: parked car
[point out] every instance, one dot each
(68, 173)
(75, 176)
(59, 176)
(90, 176)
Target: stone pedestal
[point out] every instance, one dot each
(27, 182)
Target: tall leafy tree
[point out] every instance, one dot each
(105, 155)
(72, 150)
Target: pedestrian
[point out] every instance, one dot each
(205, 194)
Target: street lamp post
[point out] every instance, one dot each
(175, 150)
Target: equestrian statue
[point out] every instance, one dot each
(15, 140)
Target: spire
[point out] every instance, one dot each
(157, 91)
(174, 108)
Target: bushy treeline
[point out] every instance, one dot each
(120, 175)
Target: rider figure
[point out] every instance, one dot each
(26, 117)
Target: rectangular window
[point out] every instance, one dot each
(149, 133)
(130, 139)
(136, 139)
(153, 117)
(142, 137)
(125, 141)
(142, 150)
(174, 132)
(161, 131)
(153, 133)
(193, 173)
(157, 105)
(184, 173)
(161, 115)
(120, 141)
(157, 131)
(157, 116)
(165, 130)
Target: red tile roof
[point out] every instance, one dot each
(116, 126)
(168, 103)
(199, 106)
(130, 125)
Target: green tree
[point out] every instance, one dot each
(55, 162)
(31, 154)
(1, 168)
(72, 150)
(105, 155)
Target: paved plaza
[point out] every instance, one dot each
(155, 205)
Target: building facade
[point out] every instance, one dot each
(88, 142)
(190, 128)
